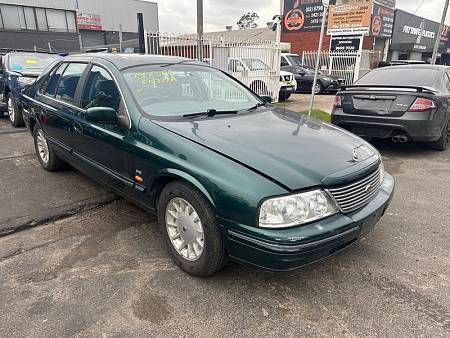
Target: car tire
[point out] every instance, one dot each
(187, 221)
(444, 141)
(284, 97)
(15, 116)
(45, 153)
(319, 88)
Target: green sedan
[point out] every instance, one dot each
(230, 176)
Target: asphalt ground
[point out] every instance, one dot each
(104, 272)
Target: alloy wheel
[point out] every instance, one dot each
(185, 229)
(11, 110)
(317, 88)
(42, 146)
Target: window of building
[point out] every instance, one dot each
(56, 20)
(69, 81)
(13, 17)
(30, 19)
(71, 22)
(41, 19)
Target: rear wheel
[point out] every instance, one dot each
(15, 116)
(443, 143)
(46, 155)
(191, 230)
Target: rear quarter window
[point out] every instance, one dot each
(395, 76)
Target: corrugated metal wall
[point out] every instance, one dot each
(57, 4)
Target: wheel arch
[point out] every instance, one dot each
(169, 175)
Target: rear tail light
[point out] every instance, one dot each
(421, 105)
(338, 101)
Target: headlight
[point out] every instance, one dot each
(328, 79)
(287, 211)
(26, 80)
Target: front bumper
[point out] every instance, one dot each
(419, 127)
(332, 86)
(287, 90)
(288, 249)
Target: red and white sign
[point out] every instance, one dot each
(89, 21)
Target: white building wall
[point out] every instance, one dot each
(122, 12)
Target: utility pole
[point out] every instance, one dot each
(142, 37)
(319, 50)
(439, 34)
(200, 30)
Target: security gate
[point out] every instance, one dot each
(255, 63)
(346, 65)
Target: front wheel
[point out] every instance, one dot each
(443, 143)
(191, 230)
(15, 116)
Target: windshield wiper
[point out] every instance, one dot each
(211, 113)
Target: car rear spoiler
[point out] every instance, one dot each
(419, 89)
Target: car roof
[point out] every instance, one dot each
(122, 61)
(417, 66)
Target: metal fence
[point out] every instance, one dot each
(255, 63)
(349, 66)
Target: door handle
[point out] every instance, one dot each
(77, 127)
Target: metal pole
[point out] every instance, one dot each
(140, 18)
(319, 50)
(439, 34)
(200, 30)
(120, 38)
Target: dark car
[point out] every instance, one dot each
(402, 103)
(304, 76)
(17, 70)
(228, 175)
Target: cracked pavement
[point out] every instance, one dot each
(104, 271)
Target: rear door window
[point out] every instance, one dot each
(447, 81)
(53, 82)
(69, 81)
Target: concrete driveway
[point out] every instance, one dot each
(104, 272)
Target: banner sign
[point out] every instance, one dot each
(354, 18)
(382, 21)
(89, 21)
(345, 43)
(303, 15)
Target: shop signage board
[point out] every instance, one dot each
(415, 33)
(386, 3)
(382, 21)
(89, 21)
(345, 43)
(303, 15)
(353, 18)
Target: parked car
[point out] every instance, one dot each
(304, 76)
(406, 62)
(401, 103)
(17, 70)
(229, 175)
(288, 85)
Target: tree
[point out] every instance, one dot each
(248, 20)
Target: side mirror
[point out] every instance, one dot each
(266, 98)
(104, 115)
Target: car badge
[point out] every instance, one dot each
(368, 188)
(355, 155)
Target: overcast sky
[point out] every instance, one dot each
(180, 15)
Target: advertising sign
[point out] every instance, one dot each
(345, 43)
(303, 15)
(414, 33)
(89, 21)
(382, 21)
(354, 18)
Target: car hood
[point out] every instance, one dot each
(295, 151)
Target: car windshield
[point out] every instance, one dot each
(178, 90)
(255, 64)
(31, 62)
(295, 60)
(393, 76)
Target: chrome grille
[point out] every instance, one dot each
(358, 194)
